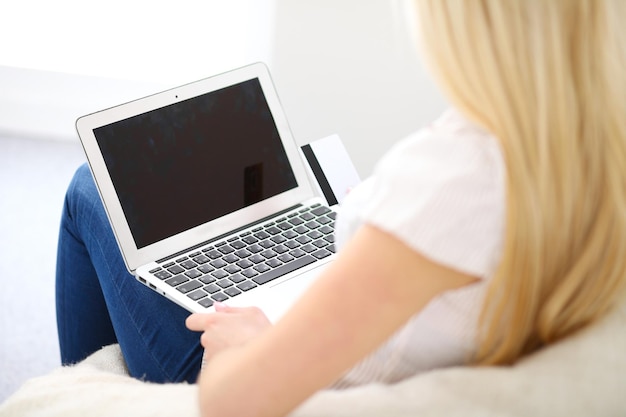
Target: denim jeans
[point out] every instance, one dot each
(99, 302)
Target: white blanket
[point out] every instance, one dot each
(584, 375)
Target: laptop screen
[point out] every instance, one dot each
(201, 158)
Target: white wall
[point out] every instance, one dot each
(350, 67)
(65, 58)
(340, 66)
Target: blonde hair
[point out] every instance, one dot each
(548, 79)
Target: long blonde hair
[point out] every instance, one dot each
(548, 79)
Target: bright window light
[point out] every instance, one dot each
(149, 40)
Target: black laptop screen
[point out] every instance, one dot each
(180, 166)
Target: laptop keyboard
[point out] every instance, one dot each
(238, 264)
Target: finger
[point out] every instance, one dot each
(197, 322)
(221, 307)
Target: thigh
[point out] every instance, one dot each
(149, 328)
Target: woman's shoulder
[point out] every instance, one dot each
(442, 192)
(451, 143)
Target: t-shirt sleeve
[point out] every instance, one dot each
(442, 194)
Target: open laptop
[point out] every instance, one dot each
(207, 193)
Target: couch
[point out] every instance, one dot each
(583, 375)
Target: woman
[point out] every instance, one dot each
(499, 229)
(546, 80)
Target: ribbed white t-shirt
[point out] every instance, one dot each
(441, 192)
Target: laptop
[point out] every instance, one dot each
(207, 193)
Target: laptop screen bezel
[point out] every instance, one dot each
(134, 256)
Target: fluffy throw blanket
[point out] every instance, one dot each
(584, 375)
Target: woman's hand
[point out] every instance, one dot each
(227, 327)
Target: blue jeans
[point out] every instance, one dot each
(99, 302)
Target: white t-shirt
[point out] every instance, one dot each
(441, 192)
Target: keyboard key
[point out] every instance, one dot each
(285, 226)
(246, 286)
(301, 229)
(179, 260)
(292, 244)
(249, 273)
(177, 280)
(320, 211)
(274, 262)
(267, 244)
(238, 244)
(232, 291)
(250, 240)
(196, 295)
(324, 220)
(320, 243)
(201, 259)
(219, 274)
(231, 259)
(243, 253)
(296, 221)
(303, 239)
(322, 253)
(207, 279)
(262, 268)
(189, 264)
(194, 273)
(314, 234)
(284, 269)
(189, 286)
(232, 269)
(308, 248)
(262, 235)
(330, 238)
(290, 234)
(206, 269)
(296, 253)
(224, 283)
(212, 288)
(268, 254)
(286, 258)
(312, 224)
(219, 297)
(255, 259)
(244, 263)
(218, 263)
(214, 254)
(278, 239)
(273, 230)
(280, 249)
(255, 248)
(206, 302)
(307, 216)
(237, 278)
(226, 249)
(152, 271)
(176, 269)
(162, 275)
(326, 229)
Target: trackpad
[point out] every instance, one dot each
(278, 298)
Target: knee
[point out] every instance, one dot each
(81, 190)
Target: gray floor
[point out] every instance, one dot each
(33, 178)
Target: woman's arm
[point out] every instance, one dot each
(374, 286)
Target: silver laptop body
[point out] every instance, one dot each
(191, 174)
